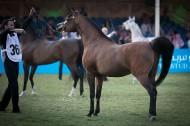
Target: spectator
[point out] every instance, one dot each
(165, 18)
(146, 26)
(64, 35)
(105, 31)
(175, 38)
(74, 35)
(188, 39)
(124, 37)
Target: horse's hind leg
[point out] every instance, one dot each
(81, 86)
(151, 89)
(26, 73)
(76, 78)
(76, 74)
(31, 79)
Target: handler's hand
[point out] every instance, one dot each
(20, 31)
(32, 10)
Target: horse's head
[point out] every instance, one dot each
(127, 24)
(69, 24)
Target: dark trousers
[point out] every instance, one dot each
(11, 70)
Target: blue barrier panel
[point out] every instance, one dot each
(42, 69)
(180, 63)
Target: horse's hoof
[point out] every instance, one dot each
(95, 114)
(33, 93)
(23, 93)
(152, 118)
(89, 115)
(70, 95)
(82, 95)
(60, 78)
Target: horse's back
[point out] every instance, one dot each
(135, 55)
(71, 49)
(120, 60)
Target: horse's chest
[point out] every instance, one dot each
(88, 61)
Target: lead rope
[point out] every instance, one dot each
(38, 14)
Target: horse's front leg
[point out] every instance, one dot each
(75, 78)
(31, 79)
(26, 74)
(98, 94)
(91, 82)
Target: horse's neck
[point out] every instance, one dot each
(88, 32)
(136, 34)
(30, 37)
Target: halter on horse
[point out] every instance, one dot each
(103, 57)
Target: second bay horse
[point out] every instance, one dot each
(38, 51)
(103, 57)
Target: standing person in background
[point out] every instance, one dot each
(175, 38)
(124, 36)
(146, 26)
(188, 39)
(11, 55)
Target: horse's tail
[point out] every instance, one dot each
(163, 47)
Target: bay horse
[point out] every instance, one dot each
(103, 57)
(38, 51)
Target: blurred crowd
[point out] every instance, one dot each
(178, 35)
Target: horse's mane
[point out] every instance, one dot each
(135, 25)
(32, 32)
(98, 29)
(29, 29)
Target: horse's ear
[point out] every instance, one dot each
(133, 18)
(77, 11)
(72, 10)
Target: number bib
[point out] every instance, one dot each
(13, 48)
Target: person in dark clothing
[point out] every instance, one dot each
(11, 55)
